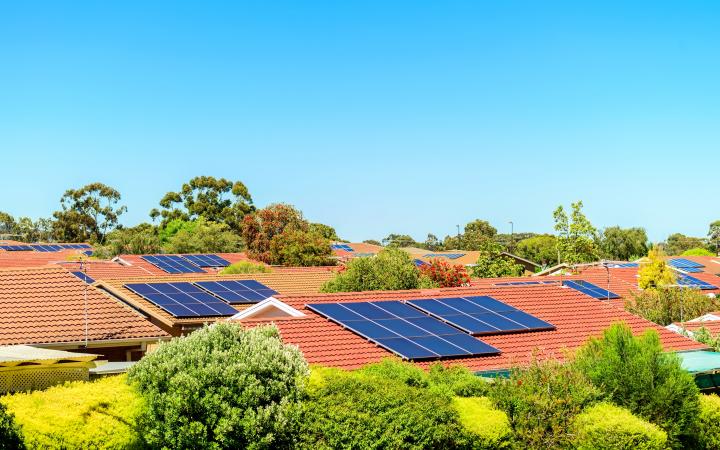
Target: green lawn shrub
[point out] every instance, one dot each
(708, 427)
(609, 427)
(391, 269)
(99, 415)
(222, 387)
(490, 426)
(245, 267)
(9, 431)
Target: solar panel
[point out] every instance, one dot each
(444, 255)
(344, 247)
(46, 247)
(590, 289)
(172, 264)
(625, 266)
(207, 260)
(16, 248)
(419, 262)
(238, 291)
(83, 277)
(481, 315)
(692, 282)
(182, 299)
(403, 330)
(684, 264)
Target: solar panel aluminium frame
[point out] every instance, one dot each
(237, 291)
(590, 289)
(172, 263)
(207, 260)
(685, 280)
(182, 299)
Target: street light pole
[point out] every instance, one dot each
(512, 234)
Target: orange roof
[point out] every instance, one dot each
(359, 248)
(575, 316)
(47, 305)
(105, 269)
(34, 259)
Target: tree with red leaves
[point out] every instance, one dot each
(445, 274)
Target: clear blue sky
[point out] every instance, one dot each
(374, 117)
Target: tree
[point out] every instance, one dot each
(656, 273)
(391, 269)
(665, 305)
(492, 263)
(260, 227)
(697, 252)
(432, 243)
(40, 230)
(138, 240)
(510, 241)
(10, 435)
(372, 242)
(541, 249)
(476, 234)
(296, 247)
(203, 236)
(637, 373)
(88, 213)
(324, 231)
(677, 243)
(443, 274)
(222, 387)
(7, 224)
(714, 235)
(577, 237)
(216, 199)
(623, 244)
(399, 240)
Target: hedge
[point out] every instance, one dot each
(708, 427)
(99, 415)
(490, 426)
(606, 426)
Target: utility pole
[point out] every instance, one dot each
(512, 235)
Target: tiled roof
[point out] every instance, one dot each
(47, 305)
(575, 316)
(33, 259)
(105, 269)
(359, 248)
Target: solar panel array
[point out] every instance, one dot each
(686, 265)
(42, 247)
(590, 289)
(16, 248)
(182, 300)
(523, 283)
(403, 330)
(625, 266)
(481, 315)
(419, 262)
(444, 255)
(238, 291)
(83, 276)
(172, 263)
(207, 260)
(345, 247)
(692, 282)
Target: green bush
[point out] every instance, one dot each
(636, 373)
(99, 414)
(542, 401)
(698, 252)
(708, 427)
(609, 427)
(9, 432)
(490, 426)
(245, 267)
(391, 269)
(222, 387)
(362, 411)
(671, 304)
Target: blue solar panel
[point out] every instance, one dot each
(172, 264)
(481, 315)
(182, 299)
(444, 255)
(16, 248)
(207, 260)
(83, 277)
(419, 262)
(238, 291)
(403, 330)
(684, 264)
(625, 266)
(689, 281)
(344, 247)
(590, 289)
(523, 283)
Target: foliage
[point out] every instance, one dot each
(489, 425)
(245, 267)
(636, 373)
(714, 234)
(577, 237)
(667, 305)
(432, 243)
(697, 252)
(364, 411)
(203, 236)
(476, 235)
(138, 240)
(99, 414)
(656, 272)
(300, 248)
(443, 274)
(606, 426)
(87, 213)
(222, 387)
(10, 437)
(623, 244)
(325, 231)
(371, 242)
(708, 431)
(260, 227)
(704, 336)
(25, 229)
(492, 263)
(510, 241)
(399, 240)
(7, 223)
(677, 243)
(542, 401)
(216, 199)
(391, 269)
(541, 249)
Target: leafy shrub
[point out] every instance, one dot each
(444, 274)
(245, 267)
(492, 263)
(391, 269)
(542, 401)
(606, 426)
(99, 414)
(698, 252)
(708, 428)
(202, 236)
(222, 387)
(300, 248)
(9, 432)
(635, 372)
(671, 304)
(490, 426)
(360, 411)
(656, 273)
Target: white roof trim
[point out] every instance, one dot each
(270, 302)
